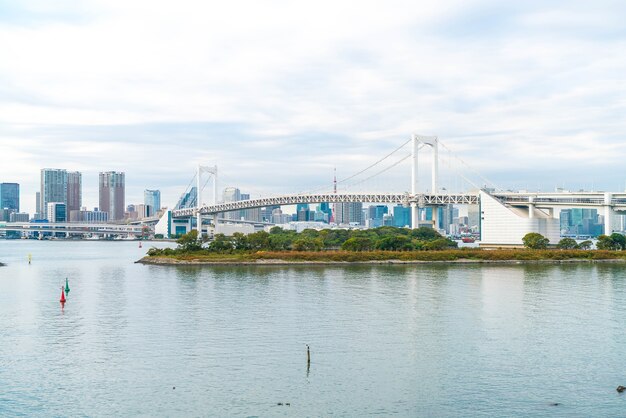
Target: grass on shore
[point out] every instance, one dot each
(443, 255)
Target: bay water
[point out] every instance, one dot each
(403, 340)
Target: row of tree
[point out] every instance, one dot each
(614, 241)
(385, 238)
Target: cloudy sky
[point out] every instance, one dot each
(278, 93)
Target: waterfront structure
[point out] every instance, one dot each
(112, 189)
(152, 200)
(504, 226)
(74, 191)
(10, 196)
(56, 212)
(53, 189)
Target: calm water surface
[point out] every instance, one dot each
(391, 340)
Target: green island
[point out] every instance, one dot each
(378, 245)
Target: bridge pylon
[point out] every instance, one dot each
(211, 171)
(433, 142)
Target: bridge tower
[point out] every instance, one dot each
(431, 141)
(212, 172)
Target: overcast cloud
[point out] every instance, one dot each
(277, 93)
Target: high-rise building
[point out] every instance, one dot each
(349, 213)
(10, 196)
(152, 200)
(37, 214)
(303, 213)
(74, 191)
(375, 215)
(53, 189)
(232, 194)
(18, 217)
(57, 212)
(401, 216)
(112, 189)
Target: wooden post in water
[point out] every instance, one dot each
(308, 357)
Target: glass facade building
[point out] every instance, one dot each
(10, 196)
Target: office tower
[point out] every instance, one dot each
(74, 191)
(349, 213)
(18, 217)
(57, 212)
(53, 189)
(232, 194)
(152, 200)
(112, 194)
(473, 217)
(10, 196)
(266, 213)
(375, 214)
(401, 216)
(303, 213)
(37, 214)
(323, 213)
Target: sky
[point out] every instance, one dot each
(278, 94)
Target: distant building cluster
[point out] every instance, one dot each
(59, 199)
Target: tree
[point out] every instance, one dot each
(567, 244)
(358, 244)
(189, 241)
(619, 241)
(279, 242)
(220, 244)
(394, 243)
(424, 233)
(308, 244)
(535, 241)
(605, 243)
(439, 244)
(259, 241)
(240, 241)
(585, 245)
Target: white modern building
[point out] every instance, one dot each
(505, 226)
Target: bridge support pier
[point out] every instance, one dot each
(609, 214)
(433, 143)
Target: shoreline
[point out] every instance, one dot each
(166, 261)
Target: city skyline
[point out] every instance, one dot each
(528, 94)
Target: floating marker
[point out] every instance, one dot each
(62, 300)
(67, 286)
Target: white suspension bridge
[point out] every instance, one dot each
(505, 217)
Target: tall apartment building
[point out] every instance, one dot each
(112, 189)
(53, 189)
(74, 191)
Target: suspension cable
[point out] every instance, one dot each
(485, 180)
(381, 172)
